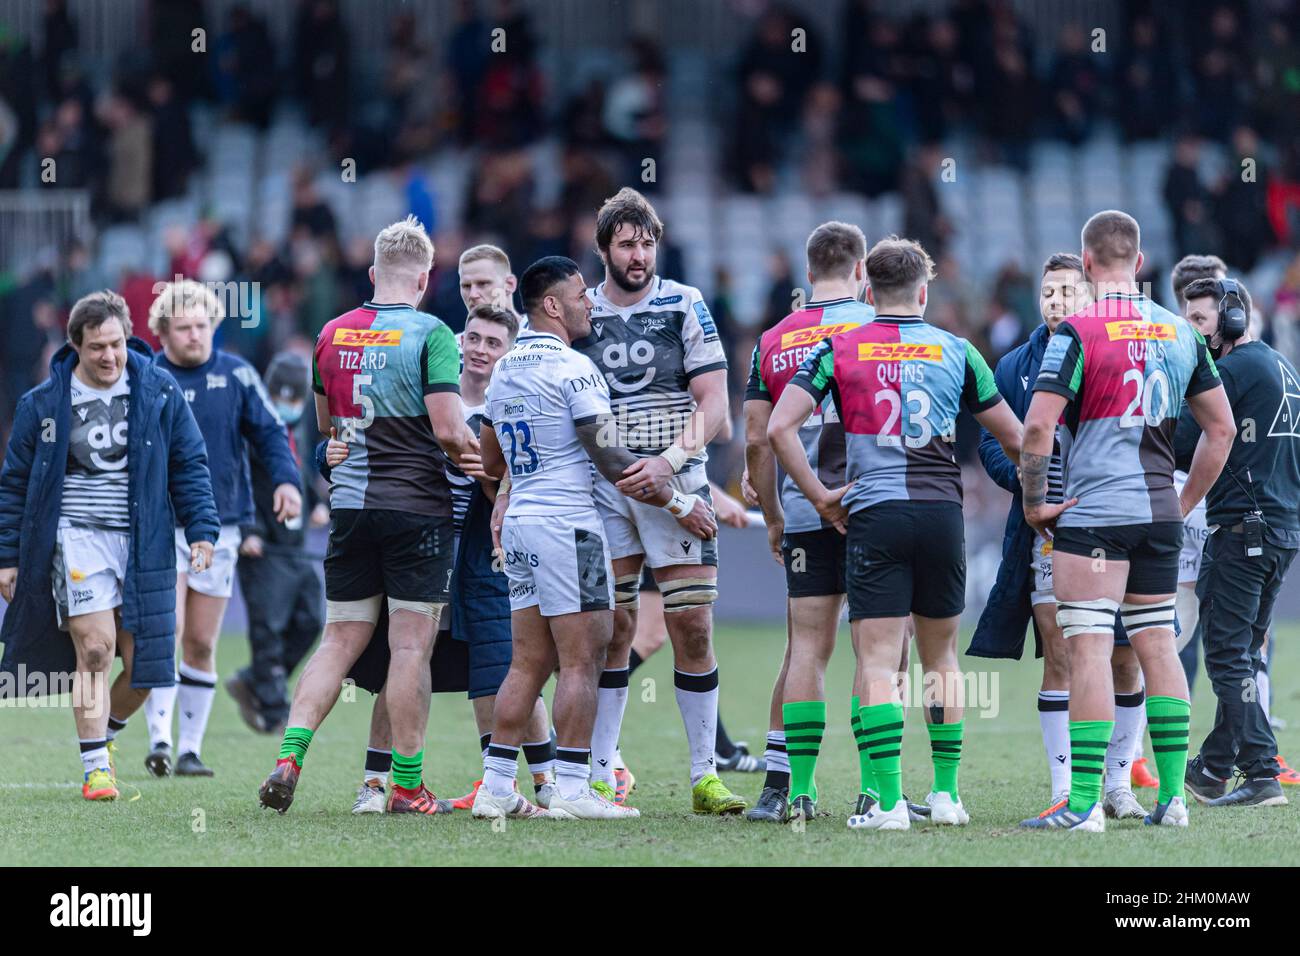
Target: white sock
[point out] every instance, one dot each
(94, 754)
(158, 710)
(1262, 686)
(194, 696)
(775, 755)
(611, 702)
(697, 699)
(1130, 713)
(1054, 719)
(618, 760)
(572, 772)
(499, 770)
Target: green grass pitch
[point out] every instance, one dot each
(43, 820)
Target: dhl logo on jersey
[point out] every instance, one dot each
(899, 352)
(1141, 331)
(355, 337)
(813, 334)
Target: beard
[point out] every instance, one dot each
(627, 285)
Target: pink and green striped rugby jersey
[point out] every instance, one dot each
(899, 385)
(777, 356)
(374, 365)
(1125, 364)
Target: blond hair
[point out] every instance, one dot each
(403, 247)
(179, 297)
(485, 251)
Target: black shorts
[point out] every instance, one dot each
(1151, 550)
(401, 555)
(907, 557)
(814, 562)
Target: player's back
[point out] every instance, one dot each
(899, 384)
(374, 365)
(777, 357)
(539, 389)
(1126, 364)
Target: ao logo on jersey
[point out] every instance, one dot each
(620, 355)
(111, 439)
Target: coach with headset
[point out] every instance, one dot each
(1253, 511)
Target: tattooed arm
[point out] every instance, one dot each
(1035, 453)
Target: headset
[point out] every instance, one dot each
(1233, 317)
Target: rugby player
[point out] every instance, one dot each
(1118, 371)
(549, 411)
(810, 548)
(898, 385)
(386, 378)
(658, 348)
(102, 454)
(1023, 591)
(233, 410)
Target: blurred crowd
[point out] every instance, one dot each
(866, 117)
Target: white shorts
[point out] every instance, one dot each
(1195, 532)
(89, 570)
(1041, 562)
(219, 579)
(558, 564)
(634, 527)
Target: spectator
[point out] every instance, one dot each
(174, 155)
(1147, 82)
(1075, 83)
(1241, 202)
(321, 62)
(245, 66)
(129, 188)
(1187, 199)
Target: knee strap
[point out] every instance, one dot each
(1087, 617)
(424, 608)
(627, 592)
(367, 610)
(683, 594)
(1143, 617)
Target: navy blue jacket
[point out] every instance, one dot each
(1001, 628)
(168, 467)
(230, 404)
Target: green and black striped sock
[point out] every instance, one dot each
(295, 744)
(882, 728)
(805, 723)
(868, 784)
(1088, 742)
(1168, 720)
(945, 752)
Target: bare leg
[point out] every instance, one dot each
(322, 678)
(410, 642)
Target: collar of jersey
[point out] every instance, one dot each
(1123, 295)
(899, 319)
(652, 292)
(822, 303)
(384, 306)
(530, 334)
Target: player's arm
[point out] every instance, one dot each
(1059, 380)
(705, 363)
(982, 399)
(440, 373)
(189, 483)
(811, 384)
(323, 422)
(262, 428)
(1207, 400)
(613, 460)
(14, 476)
(493, 459)
(760, 464)
(710, 393)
